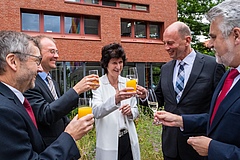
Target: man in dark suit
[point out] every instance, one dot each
(222, 123)
(20, 61)
(50, 108)
(201, 76)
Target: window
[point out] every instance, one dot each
(113, 3)
(91, 25)
(72, 25)
(91, 1)
(30, 22)
(51, 23)
(73, 0)
(109, 3)
(141, 8)
(154, 31)
(61, 24)
(140, 29)
(125, 5)
(126, 28)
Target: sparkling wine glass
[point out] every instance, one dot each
(152, 102)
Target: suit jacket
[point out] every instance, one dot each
(50, 113)
(20, 139)
(196, 98)
(225, 128)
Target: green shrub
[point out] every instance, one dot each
(149, 138)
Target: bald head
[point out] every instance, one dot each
(179, 27)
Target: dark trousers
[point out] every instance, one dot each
(124, 148)
(168, 158)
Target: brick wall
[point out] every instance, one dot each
(89, 50)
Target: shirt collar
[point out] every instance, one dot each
(16, 92)
(189, 59)
(43, 75)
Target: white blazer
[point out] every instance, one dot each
(106, 114)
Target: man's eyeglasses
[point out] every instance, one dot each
(38, 58)
(53, 51)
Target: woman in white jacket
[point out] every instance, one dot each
(114, 110)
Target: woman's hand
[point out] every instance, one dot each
(124, 94)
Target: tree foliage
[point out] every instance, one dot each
(192, 13)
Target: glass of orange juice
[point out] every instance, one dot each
(84, 107)
(131, 82)
(96, 73)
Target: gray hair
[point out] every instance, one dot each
(13, 42)
(229, 11)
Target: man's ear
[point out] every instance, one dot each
(12, 61)
(236, 34)
(188, 39)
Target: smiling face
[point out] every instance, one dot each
(177, 46)
(49, 55)
(115, 67)
(28, 70)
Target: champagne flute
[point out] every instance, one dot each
(152, 102)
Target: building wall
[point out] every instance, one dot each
(89, 50)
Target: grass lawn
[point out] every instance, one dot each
(149, 139)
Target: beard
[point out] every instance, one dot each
(227, 58)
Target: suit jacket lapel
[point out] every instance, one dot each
(44, 85)
(170, 75)
(8, 93)
(227, 102)
(196, 69)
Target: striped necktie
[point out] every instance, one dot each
(52, 87)
(180, 81)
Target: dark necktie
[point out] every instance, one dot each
(180, 81)
(226, 86)
(52, 87)
(29, 111)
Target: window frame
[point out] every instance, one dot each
(62, 33)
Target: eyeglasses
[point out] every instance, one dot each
(53, 51)
(38, 58)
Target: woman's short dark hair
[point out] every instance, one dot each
(113, 50)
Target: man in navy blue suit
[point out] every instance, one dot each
(51, 109)
(20, 61)
(222, 123)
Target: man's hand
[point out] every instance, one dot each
(77, 128)
(87, 83)
(168, 119)
(200, 144)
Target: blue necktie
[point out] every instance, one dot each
(180, 81)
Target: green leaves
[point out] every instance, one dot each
(192, 13)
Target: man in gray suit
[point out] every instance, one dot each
(50, 109)
(199, 76)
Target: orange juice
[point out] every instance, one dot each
(83, 111)
(96, 82)
(132, 83)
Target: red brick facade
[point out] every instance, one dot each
(110, 28)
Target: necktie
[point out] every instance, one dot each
(29, 110)
(180, 81)
(226, 86)
(52, 87)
